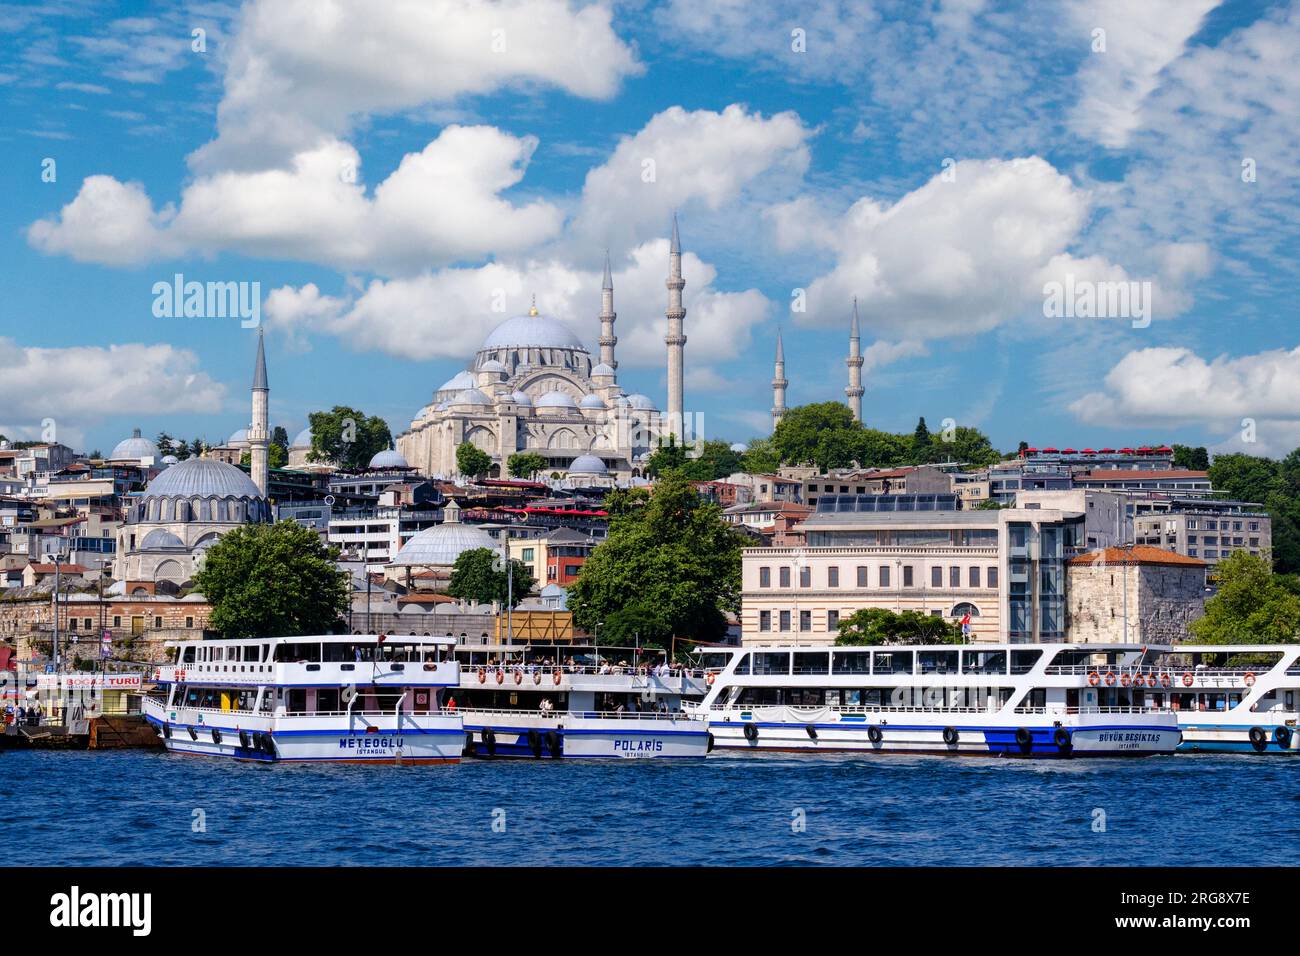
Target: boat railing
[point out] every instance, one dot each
(1093, 710)
(872, 709)
(1221, 673)
(548, 670)
(477, 712)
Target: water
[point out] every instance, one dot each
(138, 808)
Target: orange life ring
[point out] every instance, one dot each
(710, 679)
(1125, 679)
(482, 676)
(501, 676)
(1250, 678)
(519, 677)
(1151, 680)
(1165, 680)
(1094, 678)
(1187, 678)
(556, 677)
(537, 677)
(1110, 678)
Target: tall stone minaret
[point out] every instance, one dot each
(675, 340)
(854, 362)
(259, 435)
(778, 384)
(607, 316)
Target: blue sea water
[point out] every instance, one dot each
(140, 808)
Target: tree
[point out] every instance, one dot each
(347, 437)
(196, 448)
(638, 624)
(1244, 477)
(823, 434)
(1195, 459)
(472, 461)
(673, 554)
(875, 625)
(525, 464)
(921, 443)
(760, 457)
(478, 576)
(1252, 606)
(273, 580)
(712, 460)
(276, 457)
(970, 446)
(667, 456)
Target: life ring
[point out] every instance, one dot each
(556, 677)
(1126, 679)
(535, 741)
(1094, 678)
(482, 676)
(874, 734)
(751, 732)
(1024, 739)
(1187, 678)
(710, 679)
(519, 677)
(950, 736)
(1165, 679)
(1282, 737)
(537, 677)
(1110, 678)
(1258, 739)
(1151, 680)
(1064, 743)
(501, 676)
(553, 744)
(1249, 679)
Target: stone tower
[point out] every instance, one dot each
(854, 362)
(607, 316)
(675, 340)
(778, 384)
(259, 435)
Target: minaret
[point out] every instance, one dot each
(258, 433)
(607, 316)
(675, 340)
(854, 362)
(778, 384)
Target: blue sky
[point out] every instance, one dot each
(392, 174)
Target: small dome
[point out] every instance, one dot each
(202, 478)
(588, 465)
(471, 396)
(601, 369)
(642, 403)
(458, 382)
(532, 331)
(521, 398)
(238, 438)
(556, 400)
(442, 544)
(170, 460)
(134, 448)
(593, 401)
(739, 446)
(492, 365)
(160, 538)
(388, 458)
(302, 439)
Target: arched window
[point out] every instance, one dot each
(964, 608)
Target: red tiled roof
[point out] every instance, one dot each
(1138, 554)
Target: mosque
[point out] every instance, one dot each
(533, 387)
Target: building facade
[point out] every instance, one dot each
(1134, 595)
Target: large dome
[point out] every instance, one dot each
(134, 448)
(588, 465)
(202, 478)
(556, 400)
(532, 331)
(442, 544)
(239, 437)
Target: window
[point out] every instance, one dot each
(157, 622)
(954, 577)
(764, 577)
(117, 620)
(805, 577)
(765, 620)
(993, 577)
(526, 554)
(862, 577)
(936, 577)
(805, 620)
(811, 662)
(785, 620)
(907, 575)
(974, 577)
(72, 624)
(783, 575)
(832, 620)
(884, 575)
(832, 577)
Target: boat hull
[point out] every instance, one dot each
(1206, 737)
(569, 737)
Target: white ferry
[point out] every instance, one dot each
(345, 699)
(996, 699)
(559, 702)
(1227, 697)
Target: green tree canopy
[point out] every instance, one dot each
(875, 625)
(525, 464)
(1197, 459)
(273, 580)
(478, 576)
(673, 554)
(347, 437)
(1252, 606)
(637, 624)
(760, 457)
(472, 461)
(668, 456)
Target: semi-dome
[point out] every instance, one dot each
(302, 439)
(160, 538)
(471, 396)
(458, 382)
(134, 447)
(592, 401)
(556, 400)
(388, 458)
(202, 478)
(442, 544)
(588, 465)
(520, 398)
(492, 365)
(238, 438)
(642, 402)
(601, 369)
(532, 331)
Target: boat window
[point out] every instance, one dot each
(743, 664)
(984, 662)
(891, 662)
(937, 662)
(1023, 661)
(811, 662)
(803, 696)
(758, 696)
(188, 656)
(851, 662)
(218, 653)
(297, 700)
(770, 663)
(327, 700)
(714, 660)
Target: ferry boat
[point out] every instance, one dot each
(1241, 698)
(1012, 700)
(560, 703)
(344, 699)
